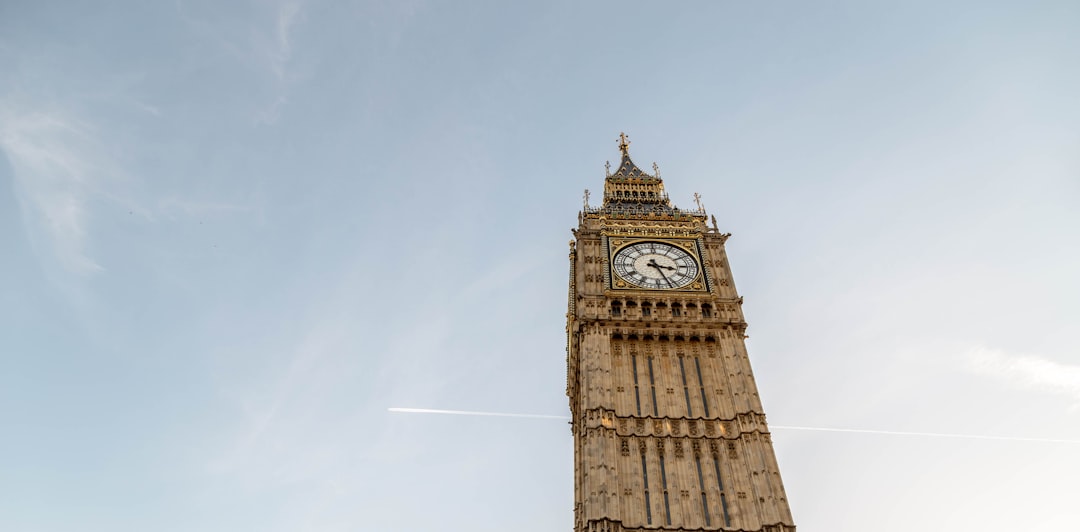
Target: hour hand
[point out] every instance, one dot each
(652, 262)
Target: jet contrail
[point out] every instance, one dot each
(781, 427)
(935, 434)
(470, 413)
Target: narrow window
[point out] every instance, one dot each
(685, 388)
(706, 311)
(616, 309)
(646, 309)
(704, 496)
(701, 383)
(645, 483)
(652, 385)
(663, 480)
(720, 484)
(676, 310)
(637, 396)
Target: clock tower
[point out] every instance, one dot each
(669, 431)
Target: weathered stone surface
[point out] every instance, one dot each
(669, 432)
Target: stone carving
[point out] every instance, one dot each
(636, 209)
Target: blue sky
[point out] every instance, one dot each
(235, 233)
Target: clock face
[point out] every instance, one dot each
(655, 265)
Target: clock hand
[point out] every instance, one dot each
(652, 262)
(666, 280)
(661, 272)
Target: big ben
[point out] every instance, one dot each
(669, 432)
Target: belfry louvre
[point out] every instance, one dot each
(669, 431)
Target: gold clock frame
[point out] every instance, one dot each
(613, 244)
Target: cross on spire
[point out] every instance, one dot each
(624, 143)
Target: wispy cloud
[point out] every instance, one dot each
(287, 15)
(270, 407)
(1026, 371)
(56, 163)
(279, 54)
(177, 207)
(259, 36)
(151, 109)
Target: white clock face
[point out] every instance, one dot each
(655, 265)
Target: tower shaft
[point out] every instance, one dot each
(669, 431)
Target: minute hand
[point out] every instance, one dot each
(661, 272)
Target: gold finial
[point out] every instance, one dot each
(656, 170)
(697, 200)
(624, 143)
(586, 199)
